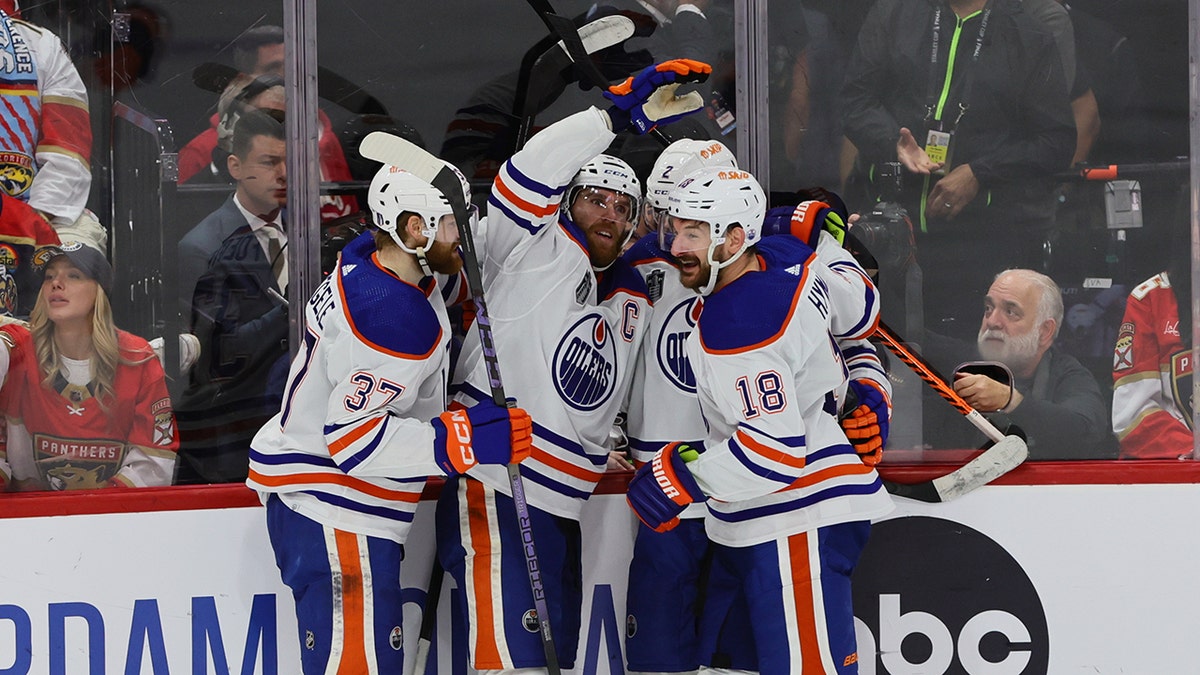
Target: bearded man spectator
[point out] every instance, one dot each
(1054, 399)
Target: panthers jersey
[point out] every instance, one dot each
(1152, 376)
(57, 145)
(352, 445)
(565, 335)
(767, 370)
(24, 236)
(62, 437)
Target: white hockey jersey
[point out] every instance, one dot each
(565, 336)
(352, 446)
(776, 461)
(662, 400)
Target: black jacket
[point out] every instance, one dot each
(1018, 128)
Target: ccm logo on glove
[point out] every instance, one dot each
(462, 434)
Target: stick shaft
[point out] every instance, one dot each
(933, 378)
(401, 153)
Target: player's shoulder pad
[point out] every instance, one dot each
(755, 309)
(783, 250)
(646, 250)
(621, 278)
(386, 313)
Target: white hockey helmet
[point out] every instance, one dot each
(721, 198)
(612, 173)
(678, 160)
(394, 191)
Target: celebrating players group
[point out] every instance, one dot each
(733, 340)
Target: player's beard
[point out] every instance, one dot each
(1016, 352)
(694, 269)
(605, 241)
(444, 258)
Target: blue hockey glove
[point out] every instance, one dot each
(805, 222)
(648, 98)
(866, 424)
(485, 433)
(661, 489)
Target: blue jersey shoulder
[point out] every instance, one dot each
(620, 277)
(756, 307)
(783, 249)
(387, 313)
(646, 250)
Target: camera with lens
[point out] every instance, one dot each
(886, 232)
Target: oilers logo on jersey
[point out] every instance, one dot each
(672, 341)
(585, 364)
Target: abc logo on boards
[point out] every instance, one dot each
(936, 597)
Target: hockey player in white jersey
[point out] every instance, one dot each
(664, 575)
(363, 423)
(791, 499)
(567, 316)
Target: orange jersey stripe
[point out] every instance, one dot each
(855, 469)
(802, 595)
(487, 652)
(767, 452)
(562, 465)
(345, 441)
(343, 480)
(354, 657)
(507, 193)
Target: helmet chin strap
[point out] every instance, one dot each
(715, 267)
(419, 252)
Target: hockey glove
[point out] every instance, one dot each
(660, 490)
(866, 424)
(805, 222)
(485, 433)
(648, 98)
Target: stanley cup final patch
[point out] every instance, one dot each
(654, 284)
(583, 292)
(1123, 353)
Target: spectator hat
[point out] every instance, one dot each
(87, 258)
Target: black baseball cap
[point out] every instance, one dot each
(88, 259)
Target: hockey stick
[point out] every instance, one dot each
(433, 595)
(1005, 455)
(396, 151)
(601, 33)
(564, 28)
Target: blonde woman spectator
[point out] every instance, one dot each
(86, 403)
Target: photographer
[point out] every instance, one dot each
(978, 132)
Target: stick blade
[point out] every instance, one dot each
(389, 149)
(996, 461)
(602, 33)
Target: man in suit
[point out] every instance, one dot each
(238, 310)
